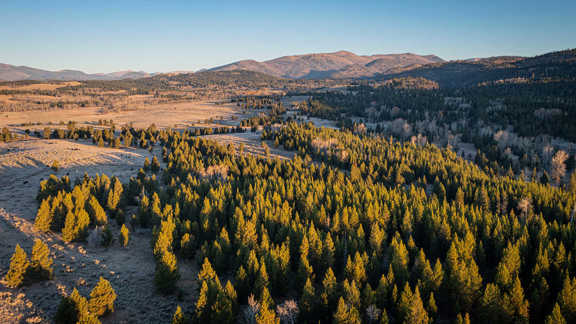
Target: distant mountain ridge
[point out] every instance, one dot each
(17, 73)
(559, 65)
(337, 65)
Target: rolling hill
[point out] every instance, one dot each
(16, 73)
(337, 65)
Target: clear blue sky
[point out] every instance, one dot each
(158, 36)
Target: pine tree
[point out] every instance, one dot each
(384, 317)
(107, 238)
(231, 294)
(74, 309)
(308, 300)
(166, 274)
(96, 212)
(242, 282)
(55, 166)
(432, 308)
(351, 293)
(222, 311)
(463, 319)
(328, 252)
(346, 314)
(202, 307)
(267, 316)
(124, 235)
(572, 184)
(102, 298)
(416, 313)
(44, 216)
(155, 164)
(178, 317)
(18, 266)
(515, 305)
(266, 299)
(567, 299)
(460, 197)
(41, 262)
(377, 236)
(71, 227)
(464, 281)
(329, 287)
(556, 316)
(114, 195)
(207, 273)
(262, 280)
(66, 312)
(146, 164)
(490, 304)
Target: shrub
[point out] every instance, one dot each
(55, 165)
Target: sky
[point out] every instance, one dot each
(162, 36)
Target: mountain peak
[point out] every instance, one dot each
(340, 64)
(346, 53)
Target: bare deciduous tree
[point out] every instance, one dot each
(251, 310)
(288, 311)
(558, 166)
(373, 313)
(525, 208)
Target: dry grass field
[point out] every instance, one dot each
(23, 164)
(39, 86)
(252, 144)
(177, 115)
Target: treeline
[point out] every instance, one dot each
(271, 103)
(217, 130)
(7, 136)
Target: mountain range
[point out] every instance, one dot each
(337, 65)
(16, 73)
(560, 65)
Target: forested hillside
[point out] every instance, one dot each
(354, 229)
(559, 65)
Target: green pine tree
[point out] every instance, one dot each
(102, 298)
(96, 212)
(166, 274)
(41, 262)
(18, 266)
(308, 300)
(556, 316)
(178, 317)
(44, 216)
(346, 314)
(124, 235)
